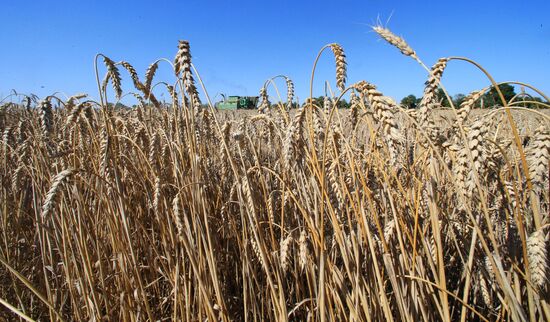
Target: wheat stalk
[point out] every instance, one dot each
(49, 202)
(284, 255)
(432, 84)
(75, 113)
(341, 69)
(354, 110)
(46, 116)
(182, 64)
(467, 105)
(264, 103)
(303, 250)
(149, 75)
(289, 92)
(538, 260)
(114, 75)
(133, 74)
(539, 158)
(396, 41)
(476, 137)
(384, 112)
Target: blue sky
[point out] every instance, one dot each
(49, 46)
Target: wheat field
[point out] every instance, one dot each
(176, 211)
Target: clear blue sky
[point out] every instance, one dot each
(49, 46)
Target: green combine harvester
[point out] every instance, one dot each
(238, 102)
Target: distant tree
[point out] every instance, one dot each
(294, 105)
(319, 101)
(441, 97)
(491, 98)
(343, 104)
(409, 101)
(458, 99)
(529, 102)
(118, 106)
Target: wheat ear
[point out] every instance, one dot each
(114, 75)
(539, 158)
(49, 203)
(467, 105)
(285, 252)
(432, 84)
(341, 69)
(182, 64)
(396, 41)
(46, 116)
(538, 261)
(289, 92)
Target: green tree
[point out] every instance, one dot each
(531, 99)
(491, 98)
(343, 104)
(319, 101)
(440, 95)
(458, 99)
(409, 101)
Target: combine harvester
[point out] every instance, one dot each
(237, 103)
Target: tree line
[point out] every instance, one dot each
(488, 100)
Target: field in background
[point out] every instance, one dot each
(176, 211)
